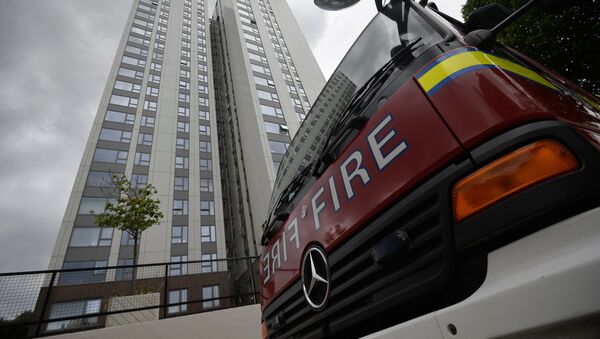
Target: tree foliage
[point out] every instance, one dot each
(134, 211)
(566, 40)
(11, 328)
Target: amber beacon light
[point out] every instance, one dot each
(512, 173)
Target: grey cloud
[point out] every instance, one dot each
(53, 65)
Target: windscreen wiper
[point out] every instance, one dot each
(284, 199)
(350, 120)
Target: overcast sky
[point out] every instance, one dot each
(54, 62)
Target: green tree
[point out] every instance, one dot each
(566, 40)
(134, 211)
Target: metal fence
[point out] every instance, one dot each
(39, 303)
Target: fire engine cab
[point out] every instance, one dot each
(442, 186)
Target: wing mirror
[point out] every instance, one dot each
(334, 5)
(487, 17)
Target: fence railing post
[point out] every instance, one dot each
(45, 305)
(251, 270)
(166, 292)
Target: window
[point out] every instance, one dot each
(150, 105)
(179, 235)
(152, 91)
(110, 155)
(184, 84)
(181, 143)
(275, 128)
(184, 97)
(183, 111)
(123, 101)
(93, 205)
(254, 47)
(147, 121)
(204, 115)
(127, 86)
(257, 57)
(183, 126)
(139, 180)
(137, 40)
(157, 56)
(183, 73)
(272, 111)
(202, 101)
(136, 50)
(156, 66)
(202, 78)
(124, 118)
(261, 69)
(140, 31)
(181, 183)
(202, 89)
(124, 273)
(91, 236)
(181, 162)
(207, 207)
(142, 159)
(83, 277)
(145, 139)
(206, 185)
(210, 263)
(175, 297)
(128, 240)
(263, 81)
(133, 61)
(154, 78)
(71, 309)
(178, 269)
(267, 95)
(205, 165)
(278, 147)
(205, 146)
(204, 130)
(208, 293)
(180, 207)
(209, 234)
(99, 179)
(115, 135)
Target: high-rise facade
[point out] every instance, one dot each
(266, 80)
(201, 109)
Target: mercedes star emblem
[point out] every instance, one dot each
(315, 277)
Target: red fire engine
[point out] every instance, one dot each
(442, 185)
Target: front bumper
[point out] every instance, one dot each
(541, 281)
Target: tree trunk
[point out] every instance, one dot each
(135, 236)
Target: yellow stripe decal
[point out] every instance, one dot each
(455, 65)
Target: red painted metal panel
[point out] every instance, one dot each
(481, 104)
(426, 145)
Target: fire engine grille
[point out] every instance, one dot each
(365, 294)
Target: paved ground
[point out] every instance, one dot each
(239, 322)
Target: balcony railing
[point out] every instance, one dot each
(39, 303)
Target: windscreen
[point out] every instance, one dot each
(399, 27)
